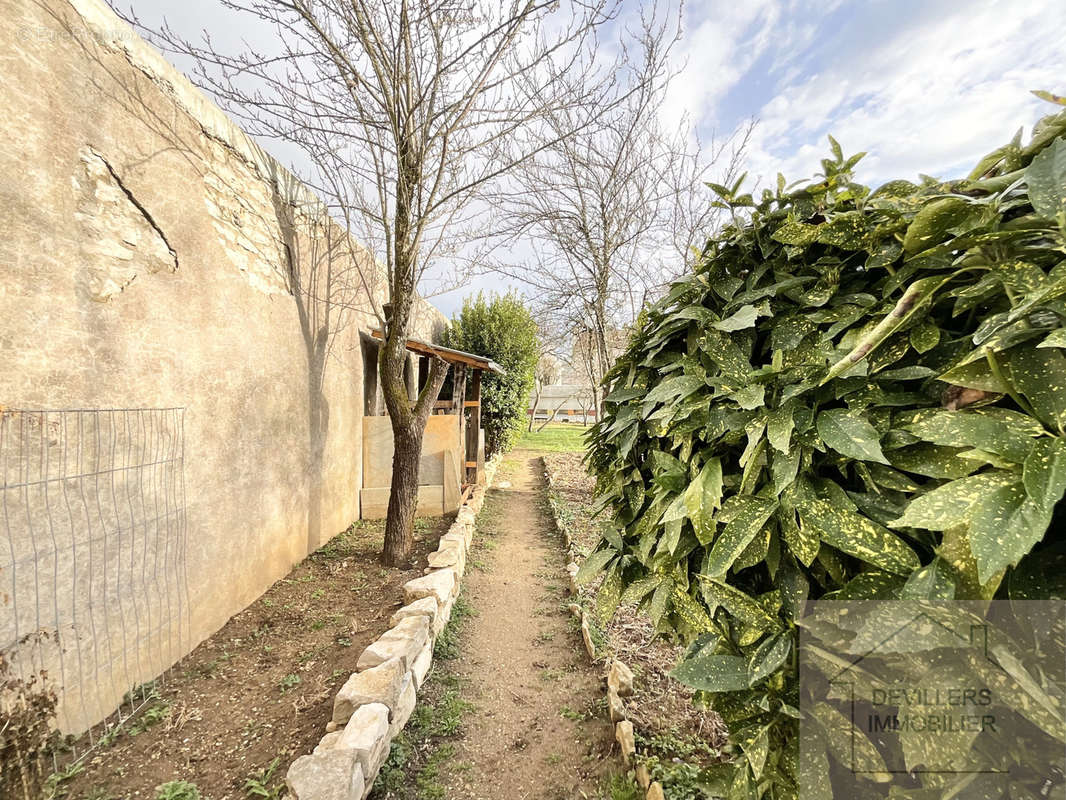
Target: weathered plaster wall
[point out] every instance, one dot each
(153, 257)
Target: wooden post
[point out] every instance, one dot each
(458, 403)
(458, 387)
(473, 431)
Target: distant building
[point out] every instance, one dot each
(569, 395)
(569, 402)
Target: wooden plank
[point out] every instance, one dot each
(374, 503)
(471, 465)
(449, 355)
(473, 404)
(480, 472)
(459, 389)
(451, 483)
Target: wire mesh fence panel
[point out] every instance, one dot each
(93, 582)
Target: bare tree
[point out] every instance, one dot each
(543, 375)
(592, 355)
(551, 356)
(692, 214)
(412, 113)
(616, 209)
(587, 398)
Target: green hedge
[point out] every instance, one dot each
(503, 329)
(857, 394)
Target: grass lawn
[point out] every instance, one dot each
(557, 437)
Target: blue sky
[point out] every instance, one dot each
(921, 85)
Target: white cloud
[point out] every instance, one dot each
(931, 96)
(716, 52)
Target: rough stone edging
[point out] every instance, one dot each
(375, 702)
(619, 677)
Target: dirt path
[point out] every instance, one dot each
(537, 729)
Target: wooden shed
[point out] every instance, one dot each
(453, 448)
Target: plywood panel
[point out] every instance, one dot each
(374, 503)
(442, 433)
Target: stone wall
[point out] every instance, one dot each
(181, 397)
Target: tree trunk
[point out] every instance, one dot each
(533, 413)
(408, 426)
(403, 498)
(552, 415)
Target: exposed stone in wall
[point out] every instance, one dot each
(120, 239)
(240, 205)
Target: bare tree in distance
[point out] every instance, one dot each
(616, 211)
(412, 113)
(545, 374)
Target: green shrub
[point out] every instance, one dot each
(502, 329)
(856, 394)
(622, 787)
(265, 783)
(177, 790)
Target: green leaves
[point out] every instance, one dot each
(796, 233)
(739, 604)
(913, 302)
(933, 223)
(952, 503)
(673, 389)
(593, 565)
(750, 514)
(854, 395)
(1050, 97)
(703, 497)
(931, 582)
(1046, 176)
(502, 328)
(1004, 512)
(1005, 435)
(1040, 376)
(768, 657)
(714, 673)
(779, 427)
(858, 536)
(667, 470)
(744, 317)
(1007, 522)
(850, 434)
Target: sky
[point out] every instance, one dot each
(923, 86)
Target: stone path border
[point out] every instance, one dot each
(376, 701)
(619, 677)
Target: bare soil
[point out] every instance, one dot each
(668, 723)
(535, 726)
(262, 687)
